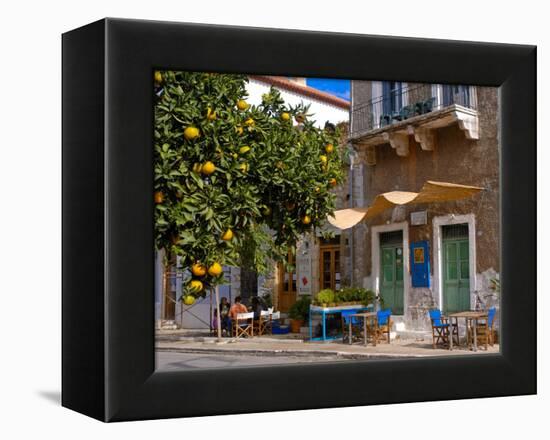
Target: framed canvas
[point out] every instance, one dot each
(115, 73)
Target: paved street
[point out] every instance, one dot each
(171, 361)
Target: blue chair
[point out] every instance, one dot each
(440, 328)
(485, 329)
(383, 324)
(355, 322)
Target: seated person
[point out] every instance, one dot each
(237, 308)
(256, 308)
(224, 312)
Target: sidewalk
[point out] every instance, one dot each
(274, 346)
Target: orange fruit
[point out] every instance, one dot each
(329, 148)
(215, 270)
(210, 115)
(208, 168)
(239, 130)
(159, 197)
(197, 167)
(285, 116)
(198, 269)
(243, 167)
(196, 286)
(306, 219)
(158, 77)
(189, 300)
(244, 150)
(191, 133)
(323, 158)
(250, 122)
(242, 104)
(227, 235)
(332, 181)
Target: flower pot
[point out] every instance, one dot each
(295, 325)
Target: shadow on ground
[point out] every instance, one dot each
(52, 396)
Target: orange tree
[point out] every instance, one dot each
(235, 184)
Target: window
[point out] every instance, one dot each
(455, 94)
(392, 97)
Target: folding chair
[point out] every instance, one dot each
(355, 325)
(440, 328)
(262, 325)
(243, 325)
(383, 324)
(484, 329)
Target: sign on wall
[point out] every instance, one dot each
(419, 218)
(303, 267)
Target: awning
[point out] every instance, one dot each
(431, 192)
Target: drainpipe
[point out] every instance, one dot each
(352, 251)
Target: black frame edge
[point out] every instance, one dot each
(83, 343)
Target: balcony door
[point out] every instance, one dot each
(455, 94)
(392, 97)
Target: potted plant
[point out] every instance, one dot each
(325, 297)
(299, 313)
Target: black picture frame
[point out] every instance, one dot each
(108, 248)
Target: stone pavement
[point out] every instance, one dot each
(279, 346)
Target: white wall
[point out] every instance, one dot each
(322, 111)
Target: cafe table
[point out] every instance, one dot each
(324, 312)
(470, 318)
(367, 317)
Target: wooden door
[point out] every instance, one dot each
(456, 277)
(456, 268)
(287, 284)
(391, 277)
(330, 267)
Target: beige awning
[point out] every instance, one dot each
(431, 192)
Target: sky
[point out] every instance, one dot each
(337, 87)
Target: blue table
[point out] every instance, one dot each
(324, 311)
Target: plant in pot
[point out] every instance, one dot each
(325, 297)
(299, 313)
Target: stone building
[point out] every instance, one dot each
(417, 257)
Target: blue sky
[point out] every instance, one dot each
(337, 87)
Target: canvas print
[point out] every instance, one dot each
(302, 220)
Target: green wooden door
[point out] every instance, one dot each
(456, 276)
(391, 277)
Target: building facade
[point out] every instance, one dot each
(417, 257)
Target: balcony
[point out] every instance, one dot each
(416, 112)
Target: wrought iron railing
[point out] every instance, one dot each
(404, 103)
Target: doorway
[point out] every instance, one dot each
(391, 271)
(456, 268)
(287, 283)
(329, 263)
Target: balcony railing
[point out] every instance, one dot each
(406, 103)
